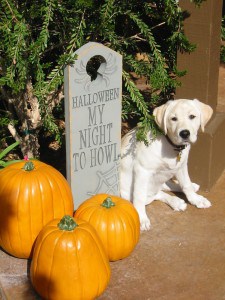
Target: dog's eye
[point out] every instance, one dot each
(191, 117)
(174, 119)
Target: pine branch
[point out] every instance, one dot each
(11, 10)
(106, 11)
(149, 37)
(77, 35)
(135, 94)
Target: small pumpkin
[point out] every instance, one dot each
(31, 194)
(69, 261)
(116, 222)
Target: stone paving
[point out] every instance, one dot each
(182, 257)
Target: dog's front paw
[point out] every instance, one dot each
(201, 202)
(145, 223)
(195, 186)
(179, 204)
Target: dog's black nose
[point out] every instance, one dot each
(184, 134)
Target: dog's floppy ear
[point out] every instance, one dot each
(205, 112)
(160, 115)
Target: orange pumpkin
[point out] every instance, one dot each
(69, 261)
(31, 194)
(116, 222)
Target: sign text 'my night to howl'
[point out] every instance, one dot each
(96, 138)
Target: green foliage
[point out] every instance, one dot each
(5, 120)
(39, 38)
(3, 153)
(153, 28)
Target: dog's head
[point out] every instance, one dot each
(181, 119)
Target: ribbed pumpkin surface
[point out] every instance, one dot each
(118, 225)
(69, 265)
(28, 201)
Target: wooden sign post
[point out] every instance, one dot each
(93, 89)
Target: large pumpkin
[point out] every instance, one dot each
(115, 220)
(31, 194)
(69, 261)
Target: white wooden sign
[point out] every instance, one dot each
(93, 91)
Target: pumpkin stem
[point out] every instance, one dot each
(29, 166)
(67, 223)
(108, 203)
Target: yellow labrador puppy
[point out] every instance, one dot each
(146, 170)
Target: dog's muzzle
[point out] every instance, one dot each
(184, 134)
